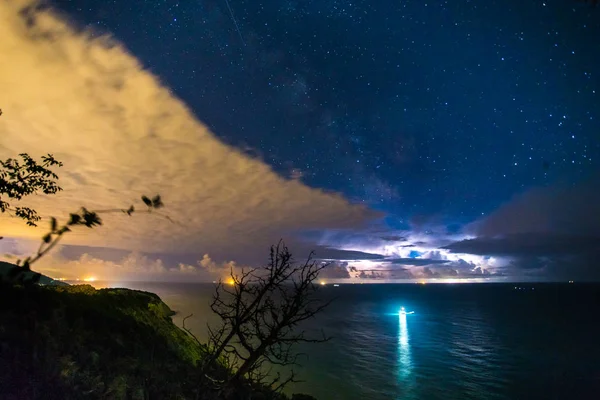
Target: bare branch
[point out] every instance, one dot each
(260, 314)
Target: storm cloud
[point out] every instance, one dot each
(416, 261)
(551, 232)
(527, 244)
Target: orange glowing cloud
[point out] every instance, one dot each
(133, 267)
(121, 133)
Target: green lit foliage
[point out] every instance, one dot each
(76, 342)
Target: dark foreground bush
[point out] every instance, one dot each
(76, 342)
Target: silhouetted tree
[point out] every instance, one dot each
(260, 310)
(83, 217)
(24, 177)
(21, 178)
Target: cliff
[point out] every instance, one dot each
(5, 269)
(76, 342)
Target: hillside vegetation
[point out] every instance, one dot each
(76, 342)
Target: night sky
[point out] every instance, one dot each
(415, 108)
(436, 114)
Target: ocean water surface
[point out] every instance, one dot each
(464, 341)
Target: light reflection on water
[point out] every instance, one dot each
(405, 367)
(405, 364)
(467, 342)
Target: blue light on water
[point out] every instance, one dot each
(404, 312)
(404, 356)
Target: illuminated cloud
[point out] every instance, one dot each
(410, 255)
(335, 271)
(120, 134)
(217, 270)
(133, 266)
(417, 261)
(544, 233)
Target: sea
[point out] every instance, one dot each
(457, 341)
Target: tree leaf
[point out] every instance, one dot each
(21, 179)
(47, 237)
(91, 219)
(74, 219)
(157, 202)
(52, 224)
(147, 201)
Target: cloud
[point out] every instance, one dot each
(434, 255)
(461, 269)
(480, 271)
(546, 233)
(120, 134)
(217, 270)
(387, 254)
(579, 267)
(335, 270)
(132, 266)
(449, 272)
(402, 273)
(328, 253)
(135, 266)
(527, 244)
(439, 273)
(561, 208)
(417, 261)
(393, 238)
(371, 275)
